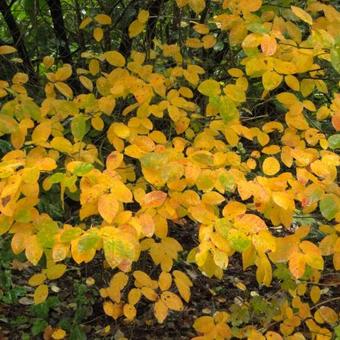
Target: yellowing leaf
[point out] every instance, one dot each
(108, 207)
(40, 294)
(302, 14)
(149, 293)
(143, 16)
(164, 281)
(315, 294)
(86, 82)
(6, 49)
(34, 250)
(160, 311)
(154, 199)
(210, 88)
(98, 34)
(37, 279)
(268, 45)
(204, 324)
(297, 264)
(134, 296)
(271, 80)
(58, 334)
(103, 19)
(55, 271)
(135, 28)
(85, 23)
(172, 301)
(292, 82)
(142, 278)
(250, 5)
(115, 58)
(64, 89)
(129, 311)
(271, 166)
(197, 5)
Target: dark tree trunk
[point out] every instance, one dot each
(18, 40)
(60, 33)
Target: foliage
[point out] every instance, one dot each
(244, 147)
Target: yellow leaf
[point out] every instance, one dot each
(114, 310)
(85, 23)
(64, 89)
(103, 19)
(160, 311)
(268, 45)
(182, 3)
(6, 49)
(114, 160)
(183, 288)
(204, 324)
(315, 294)
(120, 129)
(264, 271)
(283, 200)
(62, 144)
(58, 334)
(326, 314)
(34, 250)
(313, 255)
(297, 264)
(149, 293)
(55, 271)
(197, 5)
(164, 281)
(134, 296)
(210, 88)
(121, 192)
(63, 73)
(271, 80)
(250, 5)
(154, 199)
(40, 294)
(108, 207)
(97, 123)
(142, 278)
(129, 311)
(271, 166)
(115, 58)
(172, 301)
(37, 279)
(135, 28)
(42, 132)
(98, 34)
(292, 82)
(86, 82)
(302, 14)
(143, 16)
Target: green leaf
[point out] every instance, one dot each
(79, 127)
(82, 169)
(335, 57)
(329, 206)
(257, 27)
(226, 108)
(87, 242)
(47, 230)
(70, 234)
(238, 240)
(334, 141)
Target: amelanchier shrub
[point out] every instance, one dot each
(247, 154)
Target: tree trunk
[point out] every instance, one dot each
(18, 40)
